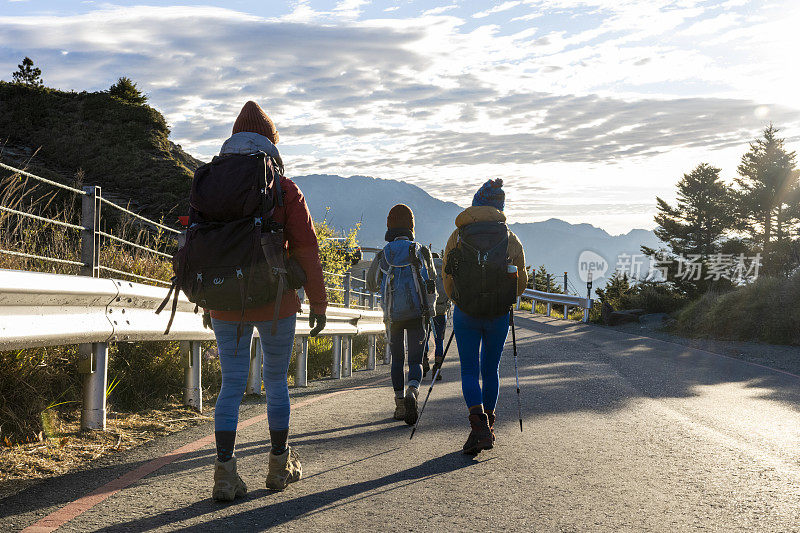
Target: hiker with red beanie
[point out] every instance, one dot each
(484, 272)
(255, 134)
(403, 273)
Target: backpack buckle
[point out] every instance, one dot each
(199, 276)
(257, 221)
(239, 274)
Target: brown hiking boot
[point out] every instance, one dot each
(490, 415)
(283, 469)
(227, 483)
(480, 438)
(400, 409)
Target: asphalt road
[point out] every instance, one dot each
(622, 433)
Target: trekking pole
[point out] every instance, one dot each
(516, 371)
(438, 368)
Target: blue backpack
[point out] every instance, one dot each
(405, 276)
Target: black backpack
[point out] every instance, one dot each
(479, 267)
(234, 257)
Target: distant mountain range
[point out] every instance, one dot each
(554, 243)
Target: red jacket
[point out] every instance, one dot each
(302, 245)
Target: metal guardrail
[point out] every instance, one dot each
(550, 298)
(39, 309)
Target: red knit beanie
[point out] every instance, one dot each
(253, 119)
(400, 216)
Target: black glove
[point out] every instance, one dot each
(320, 321)
(207, 319)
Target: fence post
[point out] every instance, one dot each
(347, 350)
(93, 364)
(191, 351)
(90, 237)
(301, 372)
(256, 362)
(387, 352)
(363, 297)
(371, 349)
(347, 283)
(586, 314)
(565, 284)
(336, 367)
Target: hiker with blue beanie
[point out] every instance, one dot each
(403, 273)
(484, 273)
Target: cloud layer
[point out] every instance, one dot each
(533, 91)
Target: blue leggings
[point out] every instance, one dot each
(276, 349)
(480, 345)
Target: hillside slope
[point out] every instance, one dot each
(123, 147)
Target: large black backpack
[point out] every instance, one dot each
(234, 257)
(479, 267)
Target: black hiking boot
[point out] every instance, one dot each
(480, 438)
(412, 413)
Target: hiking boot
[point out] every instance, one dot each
(411, 405)
(480, 438)
(400, 409)
(426, 366)
(283, 469)
(491, 416)
(227, 483)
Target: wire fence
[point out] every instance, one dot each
(35, 235)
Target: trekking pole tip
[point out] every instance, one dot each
(520, 425)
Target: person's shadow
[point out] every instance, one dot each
(270, 515)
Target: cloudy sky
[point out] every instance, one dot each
(587, 108)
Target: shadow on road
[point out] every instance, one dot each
(274, 514)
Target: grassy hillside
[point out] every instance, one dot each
(765, 310)
(120, 146)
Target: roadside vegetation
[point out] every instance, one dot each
(730, 267)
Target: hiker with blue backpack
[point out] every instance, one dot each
(250, 244)
(484, 272)
(403, 273)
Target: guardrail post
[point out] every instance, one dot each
(586, 312)
(387, 352)
(336, 367)
(347, 283)
(93, 363)
(566, 316)
(347, 350)
(256, 364)
(90, 237)
(301, 370)
(549, 308)
(192, 389)
(371, 349)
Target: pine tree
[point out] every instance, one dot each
(125, 89)
(27, 74)
(701, 218)
(617, 290)
(767, 196)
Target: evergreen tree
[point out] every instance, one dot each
(617, 290)
(125, 89)
(27, 74)
(767, 197)
(695, 228)
(701, 218)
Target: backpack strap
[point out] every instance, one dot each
(172, 289)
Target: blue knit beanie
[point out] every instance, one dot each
(491, 193)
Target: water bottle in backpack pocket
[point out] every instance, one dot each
(405, 277)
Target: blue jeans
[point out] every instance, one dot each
(277, 350)
(439, 325)
(480, 345)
